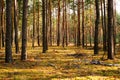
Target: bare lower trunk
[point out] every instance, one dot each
(82, 23)
(63, 25)
(16, 27)
(8, 47)
(58, 31)
(24, 30)
(38, 26)
(96, 48)
(78, 28)
(33, 37)
(110, 30)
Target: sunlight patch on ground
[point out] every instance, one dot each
(58, 64)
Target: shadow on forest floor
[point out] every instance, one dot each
(58, 63)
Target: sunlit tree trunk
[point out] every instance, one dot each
(114, 23)
(1, 21)
(16, 27)
(83, 23)
(53, 22)
(69, 31)
(38, 24)
(3, 27)
(3, 37)
(102, 20)
(86, 38)
(0, 13)
(91, 32)
(66, 26)
(74, 23)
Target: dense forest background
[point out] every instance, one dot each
(37, 27)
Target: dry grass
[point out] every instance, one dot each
(58, 64)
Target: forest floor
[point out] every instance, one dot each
(60, 63)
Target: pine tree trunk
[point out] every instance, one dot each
(38, 27)
(50, 21)
(46, 26)
(110, 30)
(63, 25)
(1, 10)
(8, 47)
(58, 31)
(16, 27)
(104, 29)
(96, 48)
(3, 29)
(78, 28)
(12, 36)
(66, 26)
(24, 30)
(33, 37)
(114, 24)
(91, 32)
(43, 27)
(74, 22)
(83, 23)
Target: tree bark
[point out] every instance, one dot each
(43, 27)
(8, 47)
(66, 26)
(3, 27)
(83, 24)
(33, 37)
(1, 21)
(24, 30)
(104, 29)
(110, 30)
(74, 22)
(12, 36)
(96, 48)
(38, 27)
(46, 26)
(58, 32)
(63, 25)
(16, 26)
(50, 21)
(78, 28)
(114, 24)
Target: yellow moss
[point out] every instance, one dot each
(57, 64)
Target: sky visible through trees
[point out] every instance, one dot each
(59, 39)
(118, 6)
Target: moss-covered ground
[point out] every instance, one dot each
(69, 63)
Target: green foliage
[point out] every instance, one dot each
(118, 18)
(89, 1)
